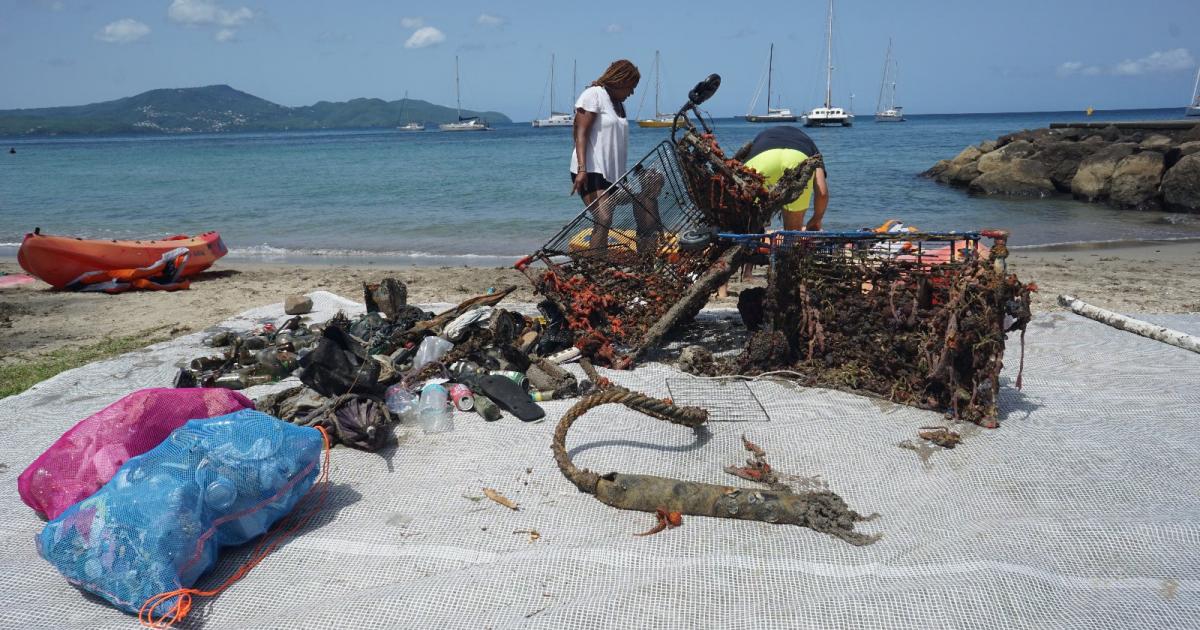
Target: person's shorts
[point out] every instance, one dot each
(595, 183)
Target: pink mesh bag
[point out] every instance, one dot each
(89, 454)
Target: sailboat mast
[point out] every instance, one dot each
(894, 75)
(551, 84)
(1196, 89)
(656, 84)
(887, 61)
(829, 59)
(770, 64)
(457, 96)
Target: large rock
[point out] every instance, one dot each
(297, 305)
(1018, 177)
(1092, 178)
(937, 169)
(969, 154)
(1062, 161)
(1156, 142)
(960, 174)
(1188, 148)
(1135, 181)
(1181, 185)
(1016, 149)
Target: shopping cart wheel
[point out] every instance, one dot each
(695, 240)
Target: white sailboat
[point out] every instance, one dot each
(472, 123)
(774, 114)
(893, 111)
(828, 114)
(411, 125)
(660, 119)
(1193, 109)
(556, 119)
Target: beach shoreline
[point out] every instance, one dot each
(1147, 277)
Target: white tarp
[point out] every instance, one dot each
(1082, 510)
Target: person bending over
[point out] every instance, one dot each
(601, 136)
(778, 149)
(773, 151)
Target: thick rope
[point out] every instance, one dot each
(585, 479)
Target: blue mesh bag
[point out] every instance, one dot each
(156, 526)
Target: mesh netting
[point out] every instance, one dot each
(920, 319)
(157, 525)
(88, 455)
(618, 267)
(1080, 513)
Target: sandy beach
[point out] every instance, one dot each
(1154, 277)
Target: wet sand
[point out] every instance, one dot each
(34, 320)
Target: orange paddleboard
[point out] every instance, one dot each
(59, 260)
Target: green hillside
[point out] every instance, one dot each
(220, 108)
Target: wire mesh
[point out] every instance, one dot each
(726, 400)
(641, 213)
(618, 267)
(919, 318)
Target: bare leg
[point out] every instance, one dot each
(602, 213)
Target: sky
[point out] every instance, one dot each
(957, 56)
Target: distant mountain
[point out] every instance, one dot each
(220, 108)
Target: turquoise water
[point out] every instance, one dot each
(483, 198)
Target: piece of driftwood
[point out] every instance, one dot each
(693, 300)
(1129, 324)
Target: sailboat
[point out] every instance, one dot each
(1194, 108)
(893, 112)
(828, 114)
(471, 123)
(411, 125)
(556, 119)
(774, 114)
(660, 119)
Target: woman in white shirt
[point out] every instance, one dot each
(602, 141)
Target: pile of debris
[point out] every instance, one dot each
(399, 364)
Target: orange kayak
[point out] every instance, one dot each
(59, 260)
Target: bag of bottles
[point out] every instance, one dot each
(88, 454)
(156, 526)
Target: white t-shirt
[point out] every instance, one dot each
(608, 138)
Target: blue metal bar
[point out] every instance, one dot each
(852, 236)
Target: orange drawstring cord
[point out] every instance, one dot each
(309, 505)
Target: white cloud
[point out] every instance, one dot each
(123, 31)
(489, 20)
(204, 12)
(412, 22)
(225, 35)
(613, 28)
(1068, 68)
(1157, 61)
(1090, 71)
(425, 36)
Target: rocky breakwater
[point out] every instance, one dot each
(1143, 169)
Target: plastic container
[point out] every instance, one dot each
(432, 349)
(402, 403)
(436, 411)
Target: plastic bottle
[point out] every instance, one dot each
(432, 349)
(402, 403)
(435, 409)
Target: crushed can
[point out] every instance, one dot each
(462, 397)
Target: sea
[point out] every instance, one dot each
(488, 198)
